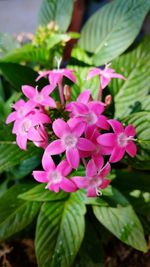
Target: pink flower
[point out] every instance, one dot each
(56, 77)
(120, 141)
(88, 112)
(39, 98)
(26, 128)
(105, 75)
(70, 141)
(94, 180)
(22, 108)
(55, 176)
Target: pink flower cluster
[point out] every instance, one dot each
(86, 137)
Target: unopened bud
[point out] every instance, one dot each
(67, 92)
(108, 100)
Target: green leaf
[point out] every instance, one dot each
(15, 214)
(19, 75)
(141, 122)
(27, 53)
(123, 222)
(7, 43)
(132, 94)
(39, 193)
(60, 231)
(58, 11)
(113, 28)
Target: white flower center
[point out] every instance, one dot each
(90, 118)
(54, 177)
(70, 140)
(24, 126)
(38, 98)
(94, 182)
(123, 139)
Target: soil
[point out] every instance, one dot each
(20, 253)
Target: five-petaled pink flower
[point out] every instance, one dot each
(56, 77)
(88, 111)
(120, 141)
(70, 141)
(39, 98)
(105, 75)
(95, 178)
(55, 176)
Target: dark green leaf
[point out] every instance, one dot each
(60, 231)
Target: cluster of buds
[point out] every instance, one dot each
(83, 136)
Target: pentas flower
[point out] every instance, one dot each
(39, 98)
(26, 128)
(94, 180)
(55, 176)
(22, 108)
(120, 141)
(70, 141)
(89, 112)
(105, 75)
(56, 77)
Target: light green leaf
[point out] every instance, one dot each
(60, 231)
(39, 193)
(113, 28)
(132, 95)
(58, 11)
(123, 222)
(15, 214)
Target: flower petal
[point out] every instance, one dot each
(93, 72)
(91, 192)
(50, 102)
(28, 91)
(117, 154)
(105, 183)
(130, 130)
(69, 75)
(104, 81)
(64, 167)
(108, 139)
(55, 148)
(60, 127)
(47, 90)
(131, 149)
(91, 169)
(73, 157)
(116, 125)
(11, 117)
(40, 176)
(103, 123)
(98, 160)
(80, 181)
(47, 162)
(105, 170)
(22, 141)
(85, 144)
(68, 185)
(84, 96)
